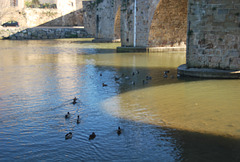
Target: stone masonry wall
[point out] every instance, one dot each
(42, 33)
(106, 13)
(89, 17)
(100, 18)
(214, 34)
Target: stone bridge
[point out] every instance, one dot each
(209, 30)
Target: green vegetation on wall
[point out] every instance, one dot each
(36, 4)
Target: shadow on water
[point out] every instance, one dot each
(195, 146)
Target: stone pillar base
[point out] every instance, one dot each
(131, 49)
(150, 49)
(208, 73)
(106, 40)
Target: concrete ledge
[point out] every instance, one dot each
(106, 40)
(150, 49)
(131, 49)
(208, 73)
(165, 49)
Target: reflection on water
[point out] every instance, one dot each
(39, 79)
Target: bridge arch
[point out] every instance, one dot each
(160, 23)
(108, 21)
(168, 26)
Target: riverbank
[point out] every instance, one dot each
(38, 33)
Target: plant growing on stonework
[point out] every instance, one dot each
(32, 3)
(35, 3)
(28, 3)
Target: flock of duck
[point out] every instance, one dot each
(91, 136)
(144, 81)
(116, 78)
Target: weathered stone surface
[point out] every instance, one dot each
(213, 34)
(102, 20)
(42, 33)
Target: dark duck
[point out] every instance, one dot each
(74, 101)
(119, 131)
(92, 136)
(78, 120)
(68, 135)
(67, 115)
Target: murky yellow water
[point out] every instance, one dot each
(209, 106)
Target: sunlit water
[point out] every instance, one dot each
(163, 119)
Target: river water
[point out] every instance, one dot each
(162, 119)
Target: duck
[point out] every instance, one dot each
(67, 115)
(100, 74)
(119, 131)
(68, 135)
(92, 136)
(145, 82)
(148, 77)
(116, 78)
(133, 83)
(165, 75)
(133, 73)
(166, 72)
(104, 85)
(74, 101)
(78, 120)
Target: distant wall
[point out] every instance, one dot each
(53, 17)
(31, 17)
(42, 33)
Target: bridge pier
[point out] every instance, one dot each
(213, 39)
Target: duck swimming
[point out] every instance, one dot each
(165, 76)
(92, 136)
(74, 101)
(166, 72)
(67, 115)
(104, 85)
(68, 135)
(148, 77)
(116, 78)
(78, 120)
(119, 131)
